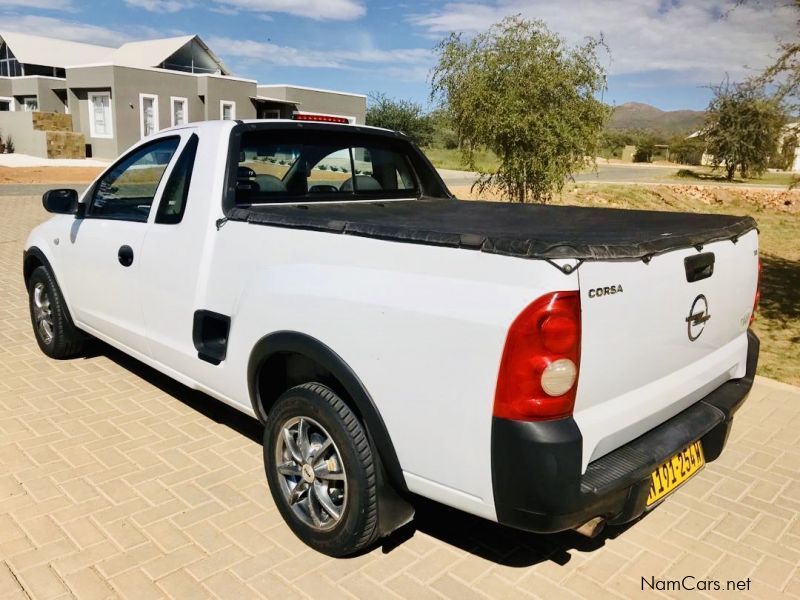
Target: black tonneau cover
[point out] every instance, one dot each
(523, 230)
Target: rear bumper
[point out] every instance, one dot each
(536, 466)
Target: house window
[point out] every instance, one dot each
(6, 104)
(270, 113)
(148, 104)
(179, 111)
(227, 110)
(100, 115)
(9, 65)
(31, 104)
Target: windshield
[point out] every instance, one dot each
(300, 166)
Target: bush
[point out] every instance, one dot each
(10, 145)
(400, 115)
(612, 143)
(687, 151)
(644, 153)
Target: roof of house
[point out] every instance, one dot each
(151, 53)
(50, 52)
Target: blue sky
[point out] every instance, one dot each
(663, 52)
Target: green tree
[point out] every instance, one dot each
(645, 148)
(613, 141)
(399, 115)
(521, 92)
(444, 133)
(686, 151)
(784, 72)
(743, 125)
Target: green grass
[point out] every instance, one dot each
(444, 158)
(707, 174)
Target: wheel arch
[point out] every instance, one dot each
(32, 258)
(295, 356)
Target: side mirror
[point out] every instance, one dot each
(62, 202)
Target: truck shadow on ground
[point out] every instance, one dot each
(486, 539)
(780, 290)
(211, 408)
(494, 542)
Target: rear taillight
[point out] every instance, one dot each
(539, 369)
(757, 299)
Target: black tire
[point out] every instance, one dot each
(64, 341)
(357, 527)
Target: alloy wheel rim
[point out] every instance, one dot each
(43, 313)
(311, 473)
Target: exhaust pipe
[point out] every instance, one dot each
(592, 527)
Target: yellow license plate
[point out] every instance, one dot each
(675, 472)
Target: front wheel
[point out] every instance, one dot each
(56, 335)
(321, 470)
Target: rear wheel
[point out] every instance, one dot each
(56, 335)
(321, 471)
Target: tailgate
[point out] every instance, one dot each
(653, 342)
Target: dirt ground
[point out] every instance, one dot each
(36, 175)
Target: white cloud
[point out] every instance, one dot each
(334, 58)
(41, 4)
(77, 32)
(319, 10)
(159, 6)
(701, 39)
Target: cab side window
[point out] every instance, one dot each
(126, 192)
(176, 191)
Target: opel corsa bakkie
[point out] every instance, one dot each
(545, 367)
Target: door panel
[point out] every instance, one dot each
(104, 292)
(103, 254)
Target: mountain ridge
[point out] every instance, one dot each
(641, 116)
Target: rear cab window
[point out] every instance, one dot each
(295, 166)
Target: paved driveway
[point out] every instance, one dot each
(115, 481)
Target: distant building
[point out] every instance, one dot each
(69, 99)
(789, 134)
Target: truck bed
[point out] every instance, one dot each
(511, 229)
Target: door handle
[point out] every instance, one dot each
(699, 266)
(125, 256)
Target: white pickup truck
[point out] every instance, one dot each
(546, 367)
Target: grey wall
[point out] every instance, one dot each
(5, 87)
(216, 89)
(203, 95)
(130, 82)
(80, 82)
(331, 103)
(19, 126)
(42, 87)
(79, 106)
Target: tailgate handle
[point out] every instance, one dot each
(699, 266)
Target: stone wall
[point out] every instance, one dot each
(65, 144)
(48, 121)
(47, 135)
